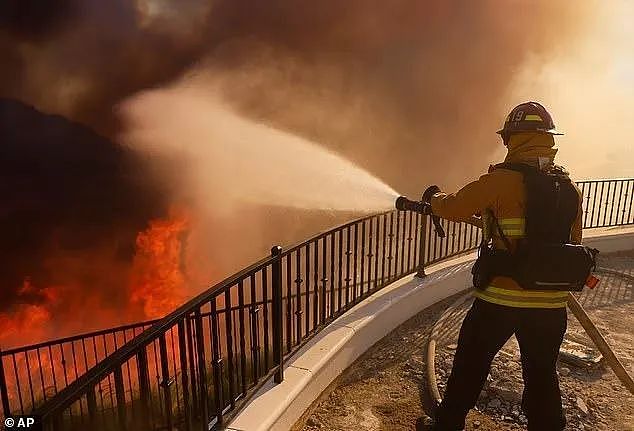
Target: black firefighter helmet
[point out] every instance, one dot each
(528, 117)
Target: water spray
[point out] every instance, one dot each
(235, 160)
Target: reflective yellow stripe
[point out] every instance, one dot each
(513, 226)
(514, 232)
(519, 304)
(528, 293)
(523, 298)
(505, 221)
(545, 300)
(533, 117)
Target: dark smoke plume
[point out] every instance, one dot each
(89, 54)
(33, 20)
(410, 90)
(407, 79)
(65, 190)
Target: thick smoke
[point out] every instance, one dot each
(72, 204)
(89, 54)
(590, 90)
(34, 20)
(409, 80)
(409, 90)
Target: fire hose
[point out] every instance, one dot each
(436, 398)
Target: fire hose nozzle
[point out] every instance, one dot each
(404, 204)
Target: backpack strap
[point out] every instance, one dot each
(525, 169)
(518, 167)
(506, 241)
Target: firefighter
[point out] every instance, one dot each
(502, 308)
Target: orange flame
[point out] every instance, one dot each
(27, 322)
(158, 282)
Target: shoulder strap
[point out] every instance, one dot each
(506, 241)
(525, 169)
(518, 167)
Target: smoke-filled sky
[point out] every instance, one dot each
(590, 89)
(397, 87)
(410, 90)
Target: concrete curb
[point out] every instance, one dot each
(611, 239)
(309, 372)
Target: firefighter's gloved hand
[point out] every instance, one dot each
(426, 209)
(429, 192)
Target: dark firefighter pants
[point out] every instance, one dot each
(484, 331)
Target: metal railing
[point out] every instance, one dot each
(607, 202)
(196, 367)
(30, 375)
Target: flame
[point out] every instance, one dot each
(26, 322)
(158, 282)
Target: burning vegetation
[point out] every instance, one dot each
(26, 320)
(84, 232)
(158, 283)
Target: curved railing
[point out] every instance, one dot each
(30, 375)
(607, 202)
(197, 366)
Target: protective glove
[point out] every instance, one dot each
(430, 192)
(426, 208)
(427, 195)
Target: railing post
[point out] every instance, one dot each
(202, 370)
(165, 380)
(195, 386)
(421, 246)
(276, 282)
(120, 393)
(4, 394)
(182, 350)
(144, 385)
(57, 422)
(91, 401)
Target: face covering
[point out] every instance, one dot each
(536, 149)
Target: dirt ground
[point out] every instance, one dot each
(386, 388)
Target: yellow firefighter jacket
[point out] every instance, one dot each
(502, 191)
